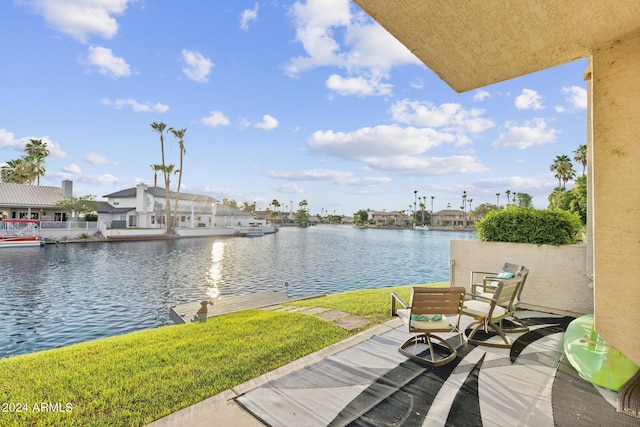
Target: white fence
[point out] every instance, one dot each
(69, 225)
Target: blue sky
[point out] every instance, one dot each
(308, 100)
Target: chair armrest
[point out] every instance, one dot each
(395, 297)
(473, 279)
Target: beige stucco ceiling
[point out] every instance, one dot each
(474, 43)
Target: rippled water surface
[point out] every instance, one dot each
(63, 294)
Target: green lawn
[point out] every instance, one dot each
(133, 379)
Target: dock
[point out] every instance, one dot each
(186, 313)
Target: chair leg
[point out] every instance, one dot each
(521, 326)
(485, 327)
(426, 339)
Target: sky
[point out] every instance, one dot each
(288, 100)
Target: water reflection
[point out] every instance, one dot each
(77, 292)
(215, 272)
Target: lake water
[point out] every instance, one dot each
(68, 293)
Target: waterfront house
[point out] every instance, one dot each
(145, 207)
(485, 42)
(391, 218)
(34, 201)
(450, 218)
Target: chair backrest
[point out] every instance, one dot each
(506, 292)
(446, 301)
(512, 268)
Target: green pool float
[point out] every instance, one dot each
(596, 360)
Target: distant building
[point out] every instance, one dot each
(34, 201)
(145, 207)
(450, 218)
(383, 218)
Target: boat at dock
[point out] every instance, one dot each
(20, 233)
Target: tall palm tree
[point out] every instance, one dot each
(508, 193)
(179, 135)
(167, 170)
(36, 152)
(160, 128)
(580, 156)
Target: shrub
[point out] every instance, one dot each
(528, 225)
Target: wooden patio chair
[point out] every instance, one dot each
(490, 313)
(485, 291)
(482, 282)
(431, 310)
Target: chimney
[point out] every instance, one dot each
(67, 188)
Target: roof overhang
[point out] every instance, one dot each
(475, 43)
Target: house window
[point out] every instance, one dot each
(133, 221)
(116, 202)
(153, 219)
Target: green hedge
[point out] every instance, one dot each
(528, 225)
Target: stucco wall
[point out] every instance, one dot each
(557, 278)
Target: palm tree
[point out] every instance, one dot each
(303, 204)
(580, 156)
(17, 171)
(498, 200)
(160, 128)
(276, 204)
(156, 169)
(36, 151)
(508, 193)
(564, 170)
(179, 135)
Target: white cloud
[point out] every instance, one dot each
(289, 189)
(72, 168)
(529, 100)
(81, 18)
(533, 132)
(107, 63)
(247, 16)
(338, 177)
(96, 159)
(268, 123)
(449, 116)
(197, 67)
(577, 96)
(136, 106)
(428, 166)
(215, 119)
(360, 86)
(394, 148)
(71, 172)
(515, 183)
(332, 36)
(8, 139)
(481, 95)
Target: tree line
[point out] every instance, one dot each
(574, 200)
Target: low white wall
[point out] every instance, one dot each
(557, 274)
